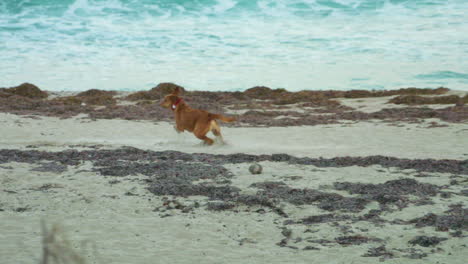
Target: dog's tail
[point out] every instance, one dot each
(222, 118)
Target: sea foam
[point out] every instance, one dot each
(234, 44)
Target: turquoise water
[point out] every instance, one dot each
(234, 44)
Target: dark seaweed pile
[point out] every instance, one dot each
(325, 201)
(391, 192)
(378, 252)
(425, 241)
(456, 218)
(74, 157)
(319, 107)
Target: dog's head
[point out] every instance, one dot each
(171, 99)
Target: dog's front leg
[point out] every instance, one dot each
(178, 130)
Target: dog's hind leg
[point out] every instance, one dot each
(206, 139)
(216, 130)
(200, 132)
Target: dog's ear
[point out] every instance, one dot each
(176, 91)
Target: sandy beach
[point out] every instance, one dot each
(346, 179)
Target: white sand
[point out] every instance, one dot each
(125, 229)
(350, 139)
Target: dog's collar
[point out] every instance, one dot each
(174, 106)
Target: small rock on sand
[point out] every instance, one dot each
(255, 168)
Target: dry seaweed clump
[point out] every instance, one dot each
(155, 93)
(90, 97)
(283, 97)
(423, 91)
(68, 101)
(325, 201)
(4, 94)
(456, 218)
(402, 91)
(419, 100)
(314, 98)
(264, 93)
(96, 93)
(394, 192)
(147, 111)
(322, 98)
(355, 240)
(26, 90)
(426, 241)
(380, 251)
(97, 97)
(360, 94)
(26, 106)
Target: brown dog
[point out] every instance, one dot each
(199, 122)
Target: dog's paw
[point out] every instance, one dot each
(219, 141)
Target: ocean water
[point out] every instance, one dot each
(234, 44)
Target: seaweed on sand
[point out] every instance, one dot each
(421, 100)
(426, 241)
(456, 218)
(393, 192)
(27, 99)
(155, 93)
(24, 90)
